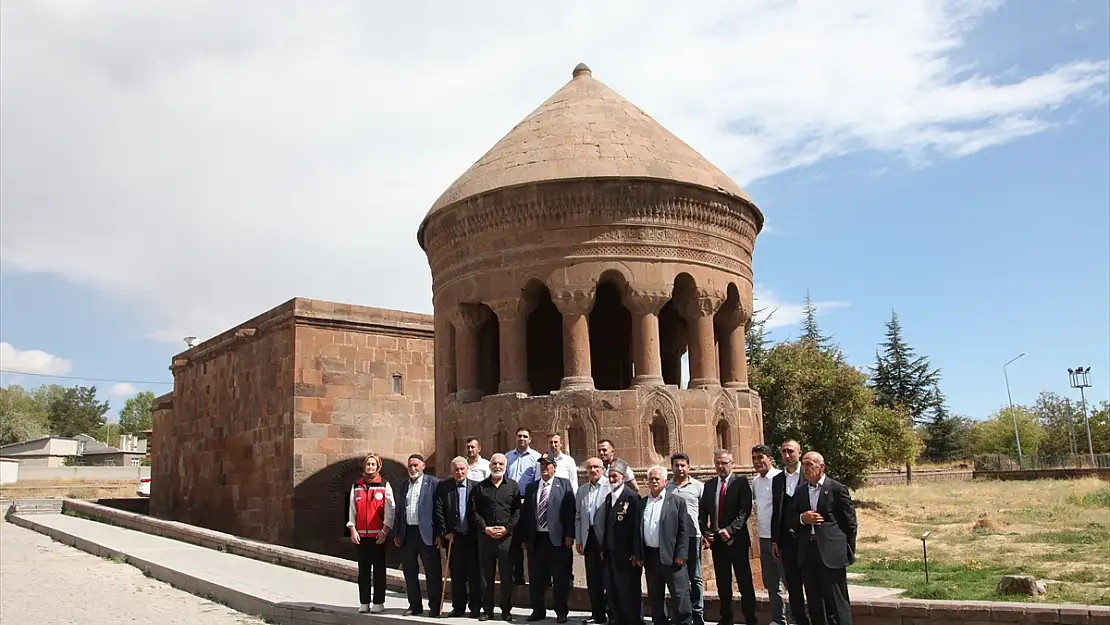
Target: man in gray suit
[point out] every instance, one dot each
(548, 519)
(589, 535)
(663, 547)
(415, 536)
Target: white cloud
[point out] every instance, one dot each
(32, 361)
(207, 159)
(121, 390)
(784, 314)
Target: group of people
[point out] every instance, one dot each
(489, 513)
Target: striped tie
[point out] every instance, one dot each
(541, 510)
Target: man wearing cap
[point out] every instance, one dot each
(547, 517)
(416, 536)
(621, 535)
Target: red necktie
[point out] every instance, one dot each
(721, 503)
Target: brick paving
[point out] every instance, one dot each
(48, 583)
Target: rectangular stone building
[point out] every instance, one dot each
(267, 424)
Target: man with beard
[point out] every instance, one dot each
(494, 516)
(416, 537)
(589, 535)
(477, 466)
(547, 521)
(623, 571)
(784, 542)
(453, 501)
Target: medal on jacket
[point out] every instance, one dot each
(622, 511)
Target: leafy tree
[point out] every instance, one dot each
(945, 435)
(825, 404)
(755, 340)
(22, 417)
(1062, 423)
(812, 332)
(76, 411)
(1099, 417)
(995, 435)
(136, 415)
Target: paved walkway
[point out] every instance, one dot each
(48, 583)
(280, 594)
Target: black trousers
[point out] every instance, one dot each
(792, 578)
(623, 590)
(466, 578)
(518, 560)
(595, 577)
(671, 578)
(548, 564)
(371, 565)
(413, 552)
(494, 557)
(826, 591)
(729, 559)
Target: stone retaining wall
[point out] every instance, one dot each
(870, 612)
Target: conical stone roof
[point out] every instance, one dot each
(586, 130)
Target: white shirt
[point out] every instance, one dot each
(541, 524)
(653, 511)
(412, 501)
(479, 470)
(764, 501)
(792, 480)
(722, 486)
(594, 498)
(814, 496)
(691, 492)
(616, 493)
(565, 466)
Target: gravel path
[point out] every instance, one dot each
(48, 583)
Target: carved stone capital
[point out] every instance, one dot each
(470, 316)
(704, 304)
(647, 301)
(573, 301)
(511, 308)
(731, 315)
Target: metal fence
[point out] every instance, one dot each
(1003, 462)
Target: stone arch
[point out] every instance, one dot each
(576, 423)
(610, 323)
(726, 415)
(660, 426)
(543, 339)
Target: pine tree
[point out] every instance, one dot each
(756, 341)
(812, 332)
(945, 435)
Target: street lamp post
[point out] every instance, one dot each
(1080, 379)
(1013, 415)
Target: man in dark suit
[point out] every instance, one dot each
(454, 532)
(589, 535)
(623, 571)
(825, 524)
(726, 505)
(494, 515)
(663, 548)
(415, 535)
(547, 520)
(784, 542)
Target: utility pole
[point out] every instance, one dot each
(1080, 379)
(1013, 415)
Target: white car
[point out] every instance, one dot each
(144, 487)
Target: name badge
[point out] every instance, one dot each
(379, 496)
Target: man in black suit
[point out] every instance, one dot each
(825, 525)
(726, 505)
(622, 570)
(494, 515)
(547, 520)
(452, 529)
(663, 547)
(784, 542)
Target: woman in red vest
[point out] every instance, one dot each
(370, 520)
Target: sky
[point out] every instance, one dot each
(172, 169)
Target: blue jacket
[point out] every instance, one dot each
(425, 510)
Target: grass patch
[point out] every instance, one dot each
(1093, 536)
(1097, 499)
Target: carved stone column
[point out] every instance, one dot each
(645, 306)
(734, 359)
(703, 350)
(468, 320)
(512, 317)
(575, 306)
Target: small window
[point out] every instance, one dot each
(136, 462)
(398, 387)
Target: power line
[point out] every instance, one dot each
(70, 377)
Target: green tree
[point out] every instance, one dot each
(76, 411)
(812, 332)
(995, 435)
(1099, 417)
(22, 416)
(825, 404)
(136, 415)
(945, 435)
(756, 341)
(1062, 423)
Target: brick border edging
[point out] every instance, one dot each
(865, 612)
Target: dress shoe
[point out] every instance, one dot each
(506, 616)
(533, 617)
(476, 614)
(561, 619)
(483, 617)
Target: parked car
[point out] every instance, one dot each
(144, 487)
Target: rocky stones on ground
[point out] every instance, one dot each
(1020, 585)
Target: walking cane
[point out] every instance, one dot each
(443, 587)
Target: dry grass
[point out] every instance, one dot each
(1056, 529)
(78, 489)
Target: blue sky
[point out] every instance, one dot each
(948, 160)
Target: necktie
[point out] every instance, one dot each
(721, 503)
(541, 510)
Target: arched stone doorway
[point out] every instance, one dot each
(610, 339)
